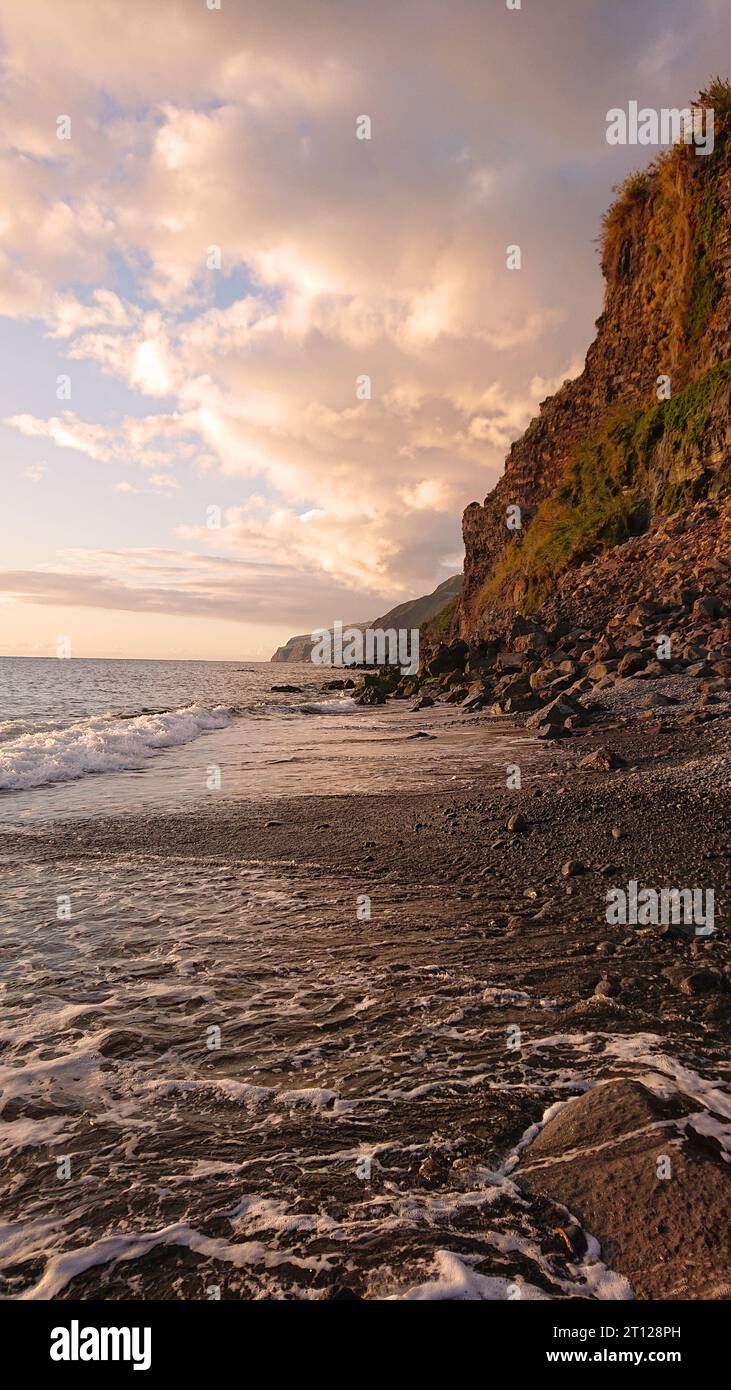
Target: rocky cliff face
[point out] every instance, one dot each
(605, 460)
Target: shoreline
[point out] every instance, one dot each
(452, 888)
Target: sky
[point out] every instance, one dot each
(252, 366)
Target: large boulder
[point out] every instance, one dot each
(556, 712)
(448, 658)
(598, 1156)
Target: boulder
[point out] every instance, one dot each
(556, 711)
(597, 1156)
(631, 663)
(372, 695)
(709, 606)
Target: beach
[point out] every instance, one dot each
(342, 1033)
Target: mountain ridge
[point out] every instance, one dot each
(411, 613)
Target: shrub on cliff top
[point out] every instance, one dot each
(623, 218)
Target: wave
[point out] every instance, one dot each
(101, 743)
(344, 705)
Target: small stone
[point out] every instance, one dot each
(517, 824)
(602, 760)
(572, 867)
(607, 988)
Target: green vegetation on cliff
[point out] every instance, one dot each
(614, 483)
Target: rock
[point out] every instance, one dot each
(607, 988)
(604, 650)
(446, 659)
(542, 678)
(572, 867)
(518, 704)
(642, 614)
(517, 824)
(372, 695)
(556, 711)
(290, 689)
(656, 700)
(599, 669)
(709, 606)
(651, 671)
(631, 663)
(597, 1157)
(574, 1239)
(513, 685)
(602, 760)
(702, 982)
(423, 702)
(510, 661)
(550, 731)
(405, 689)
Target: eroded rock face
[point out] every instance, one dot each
(599, 1156)
(651, 325)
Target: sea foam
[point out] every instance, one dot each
(102, 743)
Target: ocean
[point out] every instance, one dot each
(85, 737)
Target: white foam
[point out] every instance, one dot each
(343, 705)
(101, 743)
(62, 1267)
(456, 1280)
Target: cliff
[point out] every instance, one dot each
(605, 460)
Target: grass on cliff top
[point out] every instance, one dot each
(607, 491)
(655, 189)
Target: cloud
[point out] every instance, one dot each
(185, 583)
(35, 472)
(201, 133)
